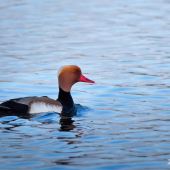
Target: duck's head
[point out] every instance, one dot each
(69, 75)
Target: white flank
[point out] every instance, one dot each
(39, 107)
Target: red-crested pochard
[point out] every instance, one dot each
(67, 77)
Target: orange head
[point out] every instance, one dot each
(69, 75)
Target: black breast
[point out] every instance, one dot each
(67, 102)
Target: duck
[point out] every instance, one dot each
(67, 76)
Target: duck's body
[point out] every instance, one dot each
(32, 105)
(67, 76)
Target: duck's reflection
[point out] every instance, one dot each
(66, 124)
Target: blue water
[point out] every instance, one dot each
(123, 120)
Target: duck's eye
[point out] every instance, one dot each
(75, 72)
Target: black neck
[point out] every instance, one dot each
(66, 100)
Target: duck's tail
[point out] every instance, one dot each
(4, 108)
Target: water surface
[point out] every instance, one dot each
(123, 120)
